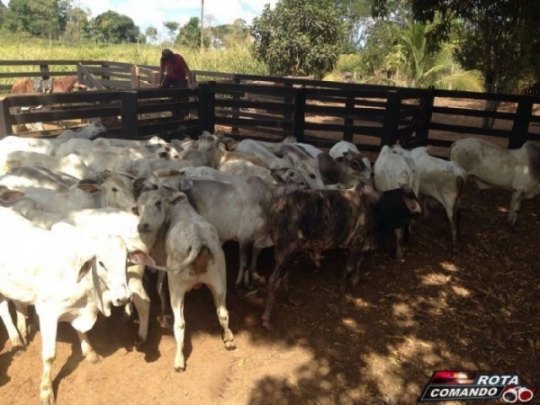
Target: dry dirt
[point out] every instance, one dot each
(473, 307)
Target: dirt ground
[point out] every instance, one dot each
(475, 307)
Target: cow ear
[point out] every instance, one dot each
(89, 187)
(140, 257)
(177, 198)
(135, 210)
(85, 268)
(11, 195)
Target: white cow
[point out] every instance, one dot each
(66, 276)
(439, 179)
(115, 191)
(71, 164)
(193, 255)
(516, 170)
(22, 177)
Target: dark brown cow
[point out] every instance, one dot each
(312, 221)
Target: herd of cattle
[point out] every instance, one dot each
(97, 212)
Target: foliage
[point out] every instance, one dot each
(151, 33)
(501, 38)
(355, 15)
(233, 60)
(44, 18)
(190, 34)
(298, 37)
(113, 27)
(78, 26)
(172, 27)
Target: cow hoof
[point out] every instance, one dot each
(180, 369)
(165, 321)
(266, 325)
(139, 341)
(230, 345)
(93, 357)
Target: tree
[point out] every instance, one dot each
(501, 38)
(190, 34)
(356, 16)
(113, 27)
(172, 27)
(77, 24)
(298, 37)
(43, 18)
(151, 33)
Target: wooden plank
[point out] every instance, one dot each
(237, 122)
(37, 62)
(465, 129)
(259, 105)
(58, 115)
(356, 129)
(24, 75)
(88, 77)
(129, 113)
(18, 100)
(468, 112)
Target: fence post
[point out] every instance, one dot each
(206, 107)
(5, 118)
(235, 110)
(135, 77)
(348, 120)
(424, 118)
(520, 128)
(129, 114)
(44, 69)
(391, 118)
(299, 114)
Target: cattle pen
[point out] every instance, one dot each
(473, 306)
(266, 107)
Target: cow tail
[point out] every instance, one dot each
(198, 258)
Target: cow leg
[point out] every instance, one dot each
(399, 243)
(48, 324)
(352, 271)
(219, 293)
(256, 251)
(177, 292)
(141, 301)
(276, 281)
(12, 331)
(515, 205)
(21, 314)
(87, 351)
(243, 275)
(452, 214)
(164, 318)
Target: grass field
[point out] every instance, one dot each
(237, 59)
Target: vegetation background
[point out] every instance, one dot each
(472, 45)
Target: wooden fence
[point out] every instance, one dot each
(267, 107)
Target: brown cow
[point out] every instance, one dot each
(313, 221)
(36, 85)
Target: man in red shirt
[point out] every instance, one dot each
(174, 71)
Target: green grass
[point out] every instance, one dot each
(233, 60)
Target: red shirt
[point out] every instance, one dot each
(175, 67)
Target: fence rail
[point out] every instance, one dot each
(268, 107)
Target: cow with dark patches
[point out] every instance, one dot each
(313, 221)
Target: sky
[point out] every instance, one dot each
(153, 13)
